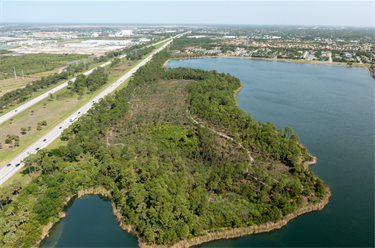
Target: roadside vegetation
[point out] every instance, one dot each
(5, 51)
(21, 95)
(34, 63)
(170, 178)
(16, 97)
(62, 103)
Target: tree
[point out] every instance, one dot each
(183, 232)
(288, 131)
(28, 128)
(38, 128)
(16, 185)
(23, 130)
(11, 120)
(44, 123)
(295, 137)
(31, 160)
(50, 96)
(1, 146)
(5, 194)
(80, 93)
(8, 141)
(32, 112)
(17, 143)
(44, 105)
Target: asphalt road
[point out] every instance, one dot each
(7, 171)
(30, 103)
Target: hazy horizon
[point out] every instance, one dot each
(268, 13)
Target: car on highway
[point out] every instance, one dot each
(60, 127)
(79, 112)
(93, 101)
(8, 164)
(17, 164)
(36, 149)
(44, 139)
(16, 110)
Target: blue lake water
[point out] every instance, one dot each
(89, 222)
(4, 47)
(331, 109)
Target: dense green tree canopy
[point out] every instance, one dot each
(170, 177)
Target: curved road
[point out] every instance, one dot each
(30, 103)
(7, 171)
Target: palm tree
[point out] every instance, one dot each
(23, 130)
(16, 185)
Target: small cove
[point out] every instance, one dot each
(89, 222)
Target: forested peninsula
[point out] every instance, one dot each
(181, 163)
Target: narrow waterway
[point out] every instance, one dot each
(332, 109)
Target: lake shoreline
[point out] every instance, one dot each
(268, 59)
(372, 72)
(224, 233)
(91, 191)
(229, 233)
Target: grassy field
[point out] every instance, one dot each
(41, 91)
(35, 63)
(12, 83)
(25, 119)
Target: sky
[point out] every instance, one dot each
(297, 12)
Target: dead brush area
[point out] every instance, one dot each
(162, 102)
(124, 65)
(166, 102)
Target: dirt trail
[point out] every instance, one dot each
(117, 144)
(61, 69)
(225, 136)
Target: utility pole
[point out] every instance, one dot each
(23, 77)
(15, 75)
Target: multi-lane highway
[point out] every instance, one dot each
(7, 171)
(30, 103)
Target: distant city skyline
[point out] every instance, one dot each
(319, 13)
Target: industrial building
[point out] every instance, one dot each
(106, 42)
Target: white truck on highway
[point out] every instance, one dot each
(74, 118)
